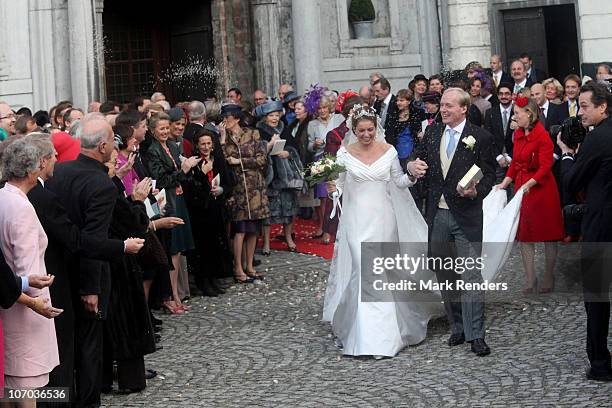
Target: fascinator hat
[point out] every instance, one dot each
(312, 98)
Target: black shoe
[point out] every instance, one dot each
(149, 374)
(155, 321)
(590, 375)
(480, 348)
(256, 262)
(126, 391)
(209, 292)
(456, 339)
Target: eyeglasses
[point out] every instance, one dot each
(9, 116)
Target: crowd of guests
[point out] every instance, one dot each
(151, 203)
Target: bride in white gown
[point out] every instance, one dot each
(376, 207)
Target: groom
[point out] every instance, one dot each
(453, 214)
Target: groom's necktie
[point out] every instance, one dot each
(452, 142)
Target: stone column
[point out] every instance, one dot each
(470, 38)
(61, 45)
(99, 83)
(266, 34)
(430, 37)
(43, 60)
(82, 54)
(306, 43)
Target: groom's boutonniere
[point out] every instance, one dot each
(469, 142)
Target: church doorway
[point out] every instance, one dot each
(548, 34)
(167, 49)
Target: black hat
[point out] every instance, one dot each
(231, 109)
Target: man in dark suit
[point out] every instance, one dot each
(88, 194)
(534, 74)
(448, 151)
(591, 171)
(197, 119)
(498, 74)
(66, 241)
(519, 76)
(386, 108)
(497, 122)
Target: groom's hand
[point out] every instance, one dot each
(417, 168)
(469, 192)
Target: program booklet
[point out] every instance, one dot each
(278, 147)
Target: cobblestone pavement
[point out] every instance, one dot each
(264, 345)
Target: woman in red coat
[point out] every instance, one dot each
(541, 219)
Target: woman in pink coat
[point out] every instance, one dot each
(30, 346)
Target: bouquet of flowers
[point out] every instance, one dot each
(325, 169)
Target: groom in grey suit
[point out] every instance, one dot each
(453, 214)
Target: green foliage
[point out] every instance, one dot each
(361, 10)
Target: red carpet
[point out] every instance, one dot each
(304, 230)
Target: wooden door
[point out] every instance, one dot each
(525, 31)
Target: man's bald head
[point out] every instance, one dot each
(96, 135)
(538, 94)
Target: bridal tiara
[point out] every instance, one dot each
(360, 111)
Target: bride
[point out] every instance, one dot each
(376, 207)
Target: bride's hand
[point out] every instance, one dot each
(331, 187)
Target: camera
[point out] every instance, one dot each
(572, 131)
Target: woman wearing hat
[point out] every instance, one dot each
(284, 171)
(248, 204)
(178, 122)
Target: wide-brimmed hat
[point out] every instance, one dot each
(231, 109)
(290, 97)
(268, 107)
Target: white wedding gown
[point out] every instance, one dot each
(376, 207)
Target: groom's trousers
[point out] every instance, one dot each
(464, 309)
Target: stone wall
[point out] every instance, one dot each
(595, 30)
(232, 40)
(469, 35)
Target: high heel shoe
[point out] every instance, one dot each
(172, 309)
(247, 278)
(254, 275)
(265, 252)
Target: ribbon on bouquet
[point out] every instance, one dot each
(336, 204)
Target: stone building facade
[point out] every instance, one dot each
(53, 49)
